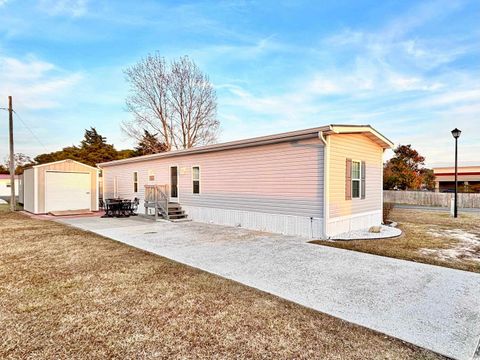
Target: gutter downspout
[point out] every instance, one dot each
(326, 167)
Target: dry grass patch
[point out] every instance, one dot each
(431, 237)
(66, 293)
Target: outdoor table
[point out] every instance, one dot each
(117, 208)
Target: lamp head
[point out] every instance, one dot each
(456, 133)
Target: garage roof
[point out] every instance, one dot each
(62, 161)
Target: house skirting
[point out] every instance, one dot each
(342, 224)
(275, 223)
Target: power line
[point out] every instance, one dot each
(30, 130)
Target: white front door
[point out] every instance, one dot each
(67, 191)
(174, 184)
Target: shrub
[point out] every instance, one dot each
(387, 208)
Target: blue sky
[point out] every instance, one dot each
(409, 68)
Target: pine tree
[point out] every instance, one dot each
(149, 144)
(93, 149)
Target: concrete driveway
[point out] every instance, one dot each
(430, 306)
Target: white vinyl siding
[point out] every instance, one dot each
(284, 178)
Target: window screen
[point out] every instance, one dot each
(356, 176)
(196, 179)
(135, 182)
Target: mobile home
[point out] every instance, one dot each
(316, 182)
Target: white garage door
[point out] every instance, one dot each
(67, 191)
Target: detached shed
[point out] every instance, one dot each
(60, 186)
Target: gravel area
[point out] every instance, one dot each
(364, 234)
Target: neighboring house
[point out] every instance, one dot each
(468, 178)
(5, 185)
(315, 182)
(60, 186)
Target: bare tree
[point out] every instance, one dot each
(175, 101)
(20, 160)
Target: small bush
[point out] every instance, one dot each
(387, 208)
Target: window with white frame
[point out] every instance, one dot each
(196, 179)
(356, 179)
(135, 182)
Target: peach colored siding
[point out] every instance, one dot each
(355, 147)
(285, 178)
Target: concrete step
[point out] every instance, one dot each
(177, 216)
(180, 220)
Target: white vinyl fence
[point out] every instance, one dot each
(426, 198)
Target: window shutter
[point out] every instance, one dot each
(363, 179)
(348, 180)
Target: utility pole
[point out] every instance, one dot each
(13, 199)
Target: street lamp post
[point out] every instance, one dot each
(456, 134)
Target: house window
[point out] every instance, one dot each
(135, 182)
(356, 179)
(196, 179)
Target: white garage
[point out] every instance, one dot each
(65, 185)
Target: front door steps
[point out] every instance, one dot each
(176, 213)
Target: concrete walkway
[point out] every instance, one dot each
(430, 306)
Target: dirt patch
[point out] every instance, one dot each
(431, 237)
(466, 248)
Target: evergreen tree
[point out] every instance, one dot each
(149, 144)
(93, 149)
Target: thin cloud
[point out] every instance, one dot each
(73, 8)
(39, 84)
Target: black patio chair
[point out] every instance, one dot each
(109, 208)
(134, 206)
(122, 208)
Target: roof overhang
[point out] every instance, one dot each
(265, 140)
(366, 130)
(61, 161)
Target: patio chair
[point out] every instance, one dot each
(134, 208)
(109, 209)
